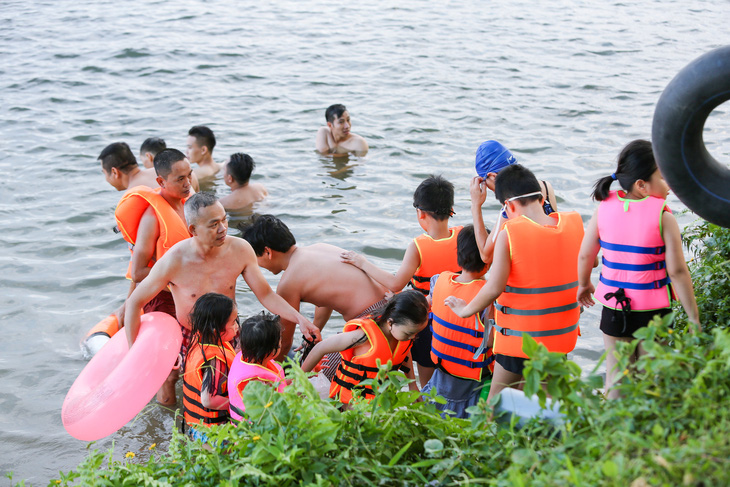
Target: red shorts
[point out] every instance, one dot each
(162, 302)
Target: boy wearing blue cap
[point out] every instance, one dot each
(491, 158)
(427, 255)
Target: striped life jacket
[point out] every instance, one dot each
(193, 410)
(242, 373)
(357, 368)
(540, 296)
(129, 212)
(633, 249)
(458, 346)
(436, 256)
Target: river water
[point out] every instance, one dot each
(563, 84)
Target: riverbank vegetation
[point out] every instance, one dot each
(671, 426)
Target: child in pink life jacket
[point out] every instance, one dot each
(643, 265)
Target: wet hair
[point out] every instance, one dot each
(435, 195)
(203, 136)
(516, 180)
(195, 203)
(153, 145)
(165, 159)
(268, 231)
(260, 337)
(117, 155)
(209, 318)
(636, 161)
(334, 111)
(240, 166)
(467, 250)
(407, 307)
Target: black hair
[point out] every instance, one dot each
(268, 231)
(195, 203)
(260, 337)
(165, 159)
(467, 250)
(153, 145)
(636, 161)
(435, 195)
(118, 155)
(209, 318)
(334, 111)
(240, 166)
(203, 136)
(516, 180)
(403, 308)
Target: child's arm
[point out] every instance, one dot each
(677, 268)
(500, 270)
(408, 364)
(485, 242)
(209, 397)
(394, 283)
(337, 343)
(586, 262)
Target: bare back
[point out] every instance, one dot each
(317, 274)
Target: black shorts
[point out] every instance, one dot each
(511, 364)
(612, 321)
(421, 349)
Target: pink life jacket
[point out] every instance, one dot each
(242, 373)
(630, 235)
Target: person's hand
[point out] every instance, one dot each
(585, 295)
(353, 258)
(309, 330)
(457, 305)
(478, 191)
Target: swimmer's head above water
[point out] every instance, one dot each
(201, 142)
(117, 159)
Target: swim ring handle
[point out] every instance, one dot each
(700, 181)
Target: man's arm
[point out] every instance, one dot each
(394, 283)
(321, 316)
(145, 245)
(324, 142)
(493, 288)
(155, 282)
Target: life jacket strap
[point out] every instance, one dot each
(443, 357)
(535, 334)
(422, 278)
(453, 343)
(460, 329)
(541, 290)
(645, 286)
(350, 386)
(634, 249)
(654, 266)
(535, 312)
(360, 367)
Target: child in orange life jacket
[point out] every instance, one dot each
(260, 343)
(533, 277)
(426, 256)
(386, 335)
(205, 388)
(642, 253)
(461, 347)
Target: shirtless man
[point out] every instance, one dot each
(150, 148)
(121, 170)
(210, 261)
(336, 139)
(314, 274)
(237, 175)
(201, 142)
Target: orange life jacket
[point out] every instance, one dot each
(540, 296)
(193, 409)
(437, 256)
(459, 345)
(357, 368)
(129, 212)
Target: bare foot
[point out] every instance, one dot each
(166, 394)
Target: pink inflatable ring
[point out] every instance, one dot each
(119, 381)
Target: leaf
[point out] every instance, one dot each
(609, 468)
(400, 453)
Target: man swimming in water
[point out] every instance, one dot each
(336, 139)
(314, 274)
(210, 261)
(201, 142)
(121, 170)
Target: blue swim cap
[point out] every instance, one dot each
(493, 157)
